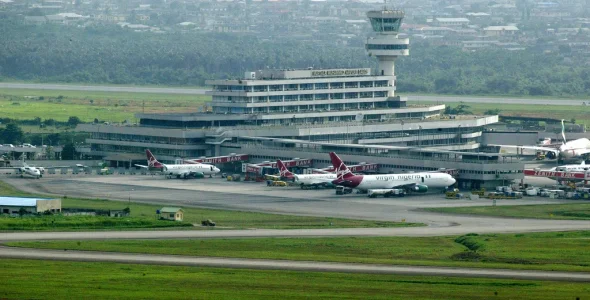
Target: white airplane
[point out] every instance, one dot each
(27, 170)
(180, 170)
(572, 168)
(306, 180)
(416, 182)
(578, 148)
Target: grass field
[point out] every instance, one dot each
(568, 250)
(223, 218)
(580, 113)
(87, 105)
(61, 223)
(574, 211)
(31, 279)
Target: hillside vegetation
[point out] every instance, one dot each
(109, 54)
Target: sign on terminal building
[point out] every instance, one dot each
(340, 72)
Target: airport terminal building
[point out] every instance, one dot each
(271, 114)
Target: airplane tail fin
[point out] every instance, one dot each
(152, 161)
(563, 131)
(283, 171)
(342, 171)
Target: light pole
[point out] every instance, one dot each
(129, 202)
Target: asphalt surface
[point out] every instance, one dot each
(218, 193)
(99, 88)
(288, 265)
(193, 91)
(497, 100)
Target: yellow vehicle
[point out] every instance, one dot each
(481, 192)
(279, 183)
(229, 178)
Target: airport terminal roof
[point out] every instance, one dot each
(20, 201)
(382, 147)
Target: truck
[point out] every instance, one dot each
(386, 193)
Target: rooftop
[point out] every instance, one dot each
(20, 201)
(170, 209)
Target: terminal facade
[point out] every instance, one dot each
(347, 108)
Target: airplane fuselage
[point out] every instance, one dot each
(314, 179)
(569, 149)
(390, 181)
(31, 171)
(189, 169)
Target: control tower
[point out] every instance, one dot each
(385, 45)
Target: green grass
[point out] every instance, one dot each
(60, 223)
(573, 211)
(223, 218)
(578, 112)
(237, 219)
(568, 251)
(31, 279)
(22, 104)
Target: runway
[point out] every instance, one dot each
(197, 91)
(102, 88)
(217, 193)
(312, 266)
(497, 100)
(220, 194)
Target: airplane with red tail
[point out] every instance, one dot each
(306, 180)
(414, 182)
(179, 170)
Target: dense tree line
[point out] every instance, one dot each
(12, 133)
(109, 54)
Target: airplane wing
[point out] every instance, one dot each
(582, 151)
(538, 148)
(142, 166)
(321, 181)
(272, 177)
(54, 167)
(320, 171)
(10, 168)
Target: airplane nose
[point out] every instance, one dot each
(451, 180)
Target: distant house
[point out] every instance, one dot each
(35, 20)
(450, 22)
(172, 213)
(500, 30)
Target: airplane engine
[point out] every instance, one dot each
(420, 188)
(551, 155)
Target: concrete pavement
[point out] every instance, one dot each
(23, 253)
(496, 100)
(102, 88)
(197, 91)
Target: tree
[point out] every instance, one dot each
(68, 152)
(12, 134)
(495, 111)
(73, 121)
